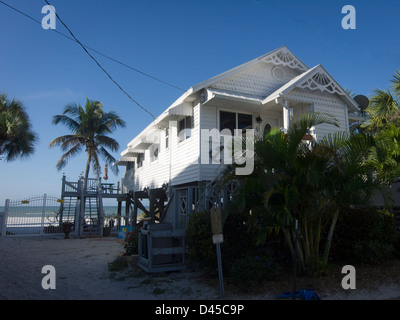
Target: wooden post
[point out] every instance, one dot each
(62, 201)
(4, 225)
(127, 222)
(82, 208)
(151, 204)
(100, 210)
(43, 214)
(119, 214)
(135, 209)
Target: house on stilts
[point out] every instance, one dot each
(171, 165)
(165, 162)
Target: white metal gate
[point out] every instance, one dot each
(34, 216)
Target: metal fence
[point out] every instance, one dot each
(34, 216)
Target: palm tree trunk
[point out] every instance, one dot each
(330, 236)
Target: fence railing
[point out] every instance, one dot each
(38, 215)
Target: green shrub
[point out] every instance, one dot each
(118, 264)
(372, 252)
(365, 235)
(199, 240)
(240, 240)
(253, 270)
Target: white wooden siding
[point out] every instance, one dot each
(326, 103)
(180, 163)
(209, 120)
(256, 80)
(175, 165)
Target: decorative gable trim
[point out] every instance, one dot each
(284, 57)
(281, 56)
(314, 79)
(322, 81)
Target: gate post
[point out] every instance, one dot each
(82, 207)
(4, 220)
(43, 214)
(100, 209)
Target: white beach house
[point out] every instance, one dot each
(269, 91)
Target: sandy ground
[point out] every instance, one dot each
(82, 273)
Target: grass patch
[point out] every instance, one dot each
(118, 264)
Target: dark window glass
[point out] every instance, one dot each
(184, 127)
(181, 125)
(227, 120)
(245, 121)
(188, 122)
(140, 159)
(129, 165)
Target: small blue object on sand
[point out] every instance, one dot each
(307, 294)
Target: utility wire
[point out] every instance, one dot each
(94, 50)
(111, 78)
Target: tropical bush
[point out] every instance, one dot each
(366, 236)
(310, 185)
(251, 271)
(199, 239)
(237, 249)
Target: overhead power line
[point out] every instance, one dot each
(94, 50)
(98, 52)
(99, 65)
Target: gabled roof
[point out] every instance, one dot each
(280, 56)
(316, 78)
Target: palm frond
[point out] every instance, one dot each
(107, 142)
(70, 123)
(66, 141)
(16, 136)
(66, 156)
(396, 83)
(109, 159)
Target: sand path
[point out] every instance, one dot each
(82, 274)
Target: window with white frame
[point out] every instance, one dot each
(154, 150)
(184, 128)
(130, 165)
(140, 160)
(234, 120)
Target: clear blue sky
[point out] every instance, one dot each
(180, 42)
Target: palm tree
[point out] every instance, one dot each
(352, 176)
(309, 184)
(383, 121)
(16, 136)
(284, 187)
(89, 128)
(384, 106)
